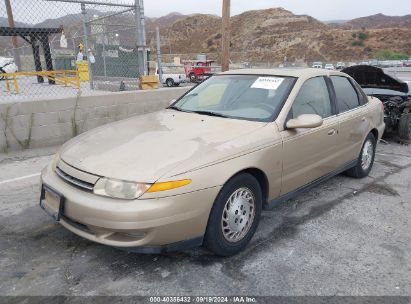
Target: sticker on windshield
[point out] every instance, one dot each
(267, 83)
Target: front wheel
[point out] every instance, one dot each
(193, 77)
(365, 160)
(235, 216)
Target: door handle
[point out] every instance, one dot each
(331, 132)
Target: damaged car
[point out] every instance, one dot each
(394, 94)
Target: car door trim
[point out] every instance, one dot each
(302, 189)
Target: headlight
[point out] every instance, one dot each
(120, 189)
(130, 190)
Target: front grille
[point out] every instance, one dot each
(74, 181)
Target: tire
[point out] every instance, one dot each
(193, 77)
(170, 82)
(365, 159)
(229, 233)
(404, 127)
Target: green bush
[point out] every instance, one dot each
(357, 43)
(362, 36)
(390, 55)
(354, 35)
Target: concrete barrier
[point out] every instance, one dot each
(44, 123)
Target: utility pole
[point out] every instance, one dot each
(159, 67)
(225, 56)
(10, 18)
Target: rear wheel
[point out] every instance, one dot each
(365, 160)
(404, 127)
(170, 82)
(235, 216)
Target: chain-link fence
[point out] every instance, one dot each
(52, 49)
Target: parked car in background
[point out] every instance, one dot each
(7, 65)
(374, 63)
(340, 65)
(172, 76)
(317, 65)
(406, 63)
(201, 171)
(393, 92)
(329, 66)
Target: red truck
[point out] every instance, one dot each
(197, 70)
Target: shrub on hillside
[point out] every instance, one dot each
(357, 43)
(390, 55)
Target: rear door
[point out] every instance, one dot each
(310, 153)
(352, 117)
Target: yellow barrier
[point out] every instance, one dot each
(148, 82)
(82, 67)
(65, 77)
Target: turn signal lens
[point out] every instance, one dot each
(157, 187)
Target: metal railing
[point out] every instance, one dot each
(64, 77)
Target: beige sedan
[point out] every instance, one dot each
(201, 171)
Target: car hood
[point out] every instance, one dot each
(375, 78)
(144, 148)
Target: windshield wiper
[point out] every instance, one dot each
(210, 113)
(176, 108)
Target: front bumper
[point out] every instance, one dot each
(150, 223)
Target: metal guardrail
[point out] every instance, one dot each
(65, 77)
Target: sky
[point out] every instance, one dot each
(324, 10)
(319, 9)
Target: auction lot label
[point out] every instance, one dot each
(267, 83)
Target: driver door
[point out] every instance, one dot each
(310, 153)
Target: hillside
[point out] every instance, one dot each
(379, 21)
(269, 35)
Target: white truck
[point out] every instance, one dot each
(172, 76)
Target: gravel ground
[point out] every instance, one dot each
(344, 237)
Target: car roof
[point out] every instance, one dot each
(291, 72)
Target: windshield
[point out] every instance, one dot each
(250, 97)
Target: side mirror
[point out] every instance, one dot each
(172, 101)
(305, 121)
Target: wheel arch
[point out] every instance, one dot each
(375, 133)
(261, 177)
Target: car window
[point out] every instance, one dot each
(313, 98)
(346, 95)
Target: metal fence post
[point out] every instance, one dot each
(137, 16)
(90, 71)
(143, 36)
